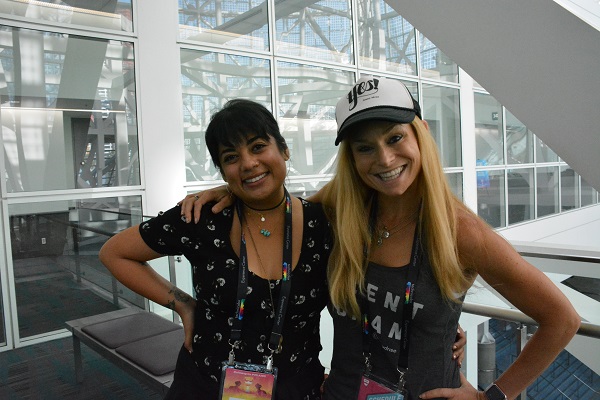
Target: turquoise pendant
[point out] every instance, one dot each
(265, 232)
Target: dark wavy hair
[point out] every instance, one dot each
(235, 121)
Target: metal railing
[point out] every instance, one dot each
(506, 314)
(582, 262)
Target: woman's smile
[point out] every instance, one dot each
(255, 179)
(388, 176)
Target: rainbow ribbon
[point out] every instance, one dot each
(286, 271)
(241, 310)
(407, 293)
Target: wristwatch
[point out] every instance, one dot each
(493, 392)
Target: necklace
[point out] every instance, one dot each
(259, 211)
(267, 209)
(386, 232)
(262, 268)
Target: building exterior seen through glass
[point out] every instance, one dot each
(107, 14)
(68, 111)
(298, 65)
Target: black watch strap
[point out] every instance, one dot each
(493, 392)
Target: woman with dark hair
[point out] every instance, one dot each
(259, 269)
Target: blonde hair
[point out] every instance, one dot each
(346, 198)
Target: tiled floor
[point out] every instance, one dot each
(45, 372)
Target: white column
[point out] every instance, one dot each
(467, 128)
(159, 99)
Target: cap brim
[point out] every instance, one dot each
(392, 114)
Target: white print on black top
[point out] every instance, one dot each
(391, 302)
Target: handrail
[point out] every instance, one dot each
(540, 250)
(508, 314)
(109, 211)
(84, 227)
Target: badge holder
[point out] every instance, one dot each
(242, 381)
(376, 388)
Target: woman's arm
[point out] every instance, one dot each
(529, 290)
(526, 288)
(191, 205)
(125, 256)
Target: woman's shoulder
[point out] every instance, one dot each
(207, 214)
(473, 234)
(312, 210)
(171, 219)
(310, 205)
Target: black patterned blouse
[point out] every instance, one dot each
(215, 277)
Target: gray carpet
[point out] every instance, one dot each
(46, 372)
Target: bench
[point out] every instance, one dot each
(141, 343)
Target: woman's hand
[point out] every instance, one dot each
(186, 313)
(458, 348)
(192, 203)
(465, 392)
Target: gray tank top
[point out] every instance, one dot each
(433, 331)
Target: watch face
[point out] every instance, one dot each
(494, 393)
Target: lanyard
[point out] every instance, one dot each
(243, 271)
(409, 293)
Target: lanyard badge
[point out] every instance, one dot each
(247, 381)
(373, 387)
(244, 381)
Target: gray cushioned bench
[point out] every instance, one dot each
(142, 343)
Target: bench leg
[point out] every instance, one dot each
(78, 361)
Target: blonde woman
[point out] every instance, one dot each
(402, 268)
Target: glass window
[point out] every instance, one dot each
(490, 197)
(589, 195)
(441, 109)
(455, 180)
(317, 30)
(58, 276)
(569, 188)
(520, 186)
(435, 64)
(386, 41)
(230, 23)
(547, 191)
(106, 14)
(543, 153)
(307, 99)
(519, 141)
(68, 111)
(488, 130)
(208, 81)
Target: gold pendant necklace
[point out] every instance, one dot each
(385, 233)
